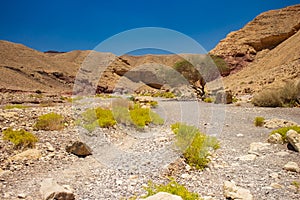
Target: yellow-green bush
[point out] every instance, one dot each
(105, 117)
(122, 112)
(196, 146)
(12, 106)
(20, 138)
(208, 100)
(282, 131)
(259, 121)
(49, 122)
(173, 188)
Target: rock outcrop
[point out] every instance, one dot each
(265, 32)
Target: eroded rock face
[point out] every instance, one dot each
(266, 31)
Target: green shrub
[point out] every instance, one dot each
(259, 121)
(20, 138)
(173, 188)
(123, 112)
(196, 146)
(140, 117)
(208, 100)
(122, 115)
(144, 116)
(282, 131)
(105, 117)
(51, 121)
(156, 119)
(12, 106)
(153, 104)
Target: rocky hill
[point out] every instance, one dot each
(264, 53)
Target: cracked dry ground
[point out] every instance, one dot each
(90, 178)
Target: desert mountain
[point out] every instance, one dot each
(25, 69)
(264, 53)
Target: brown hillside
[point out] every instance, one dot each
(265, 32)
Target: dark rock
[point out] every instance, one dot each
(224, 97)
(79, 149)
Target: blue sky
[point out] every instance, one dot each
(77, 24)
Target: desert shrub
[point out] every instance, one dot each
(259, 121)
(51, 121)
(144, 116)
(20, 138)
(196, 146)
(208, 100)
(12, 106)
(286, 96)
(122, 115)
(173, 188)
(156, 119)
(153, 104)
(282, 131)
(289, 93)
(267, 98)
(105, 117)
(140, 117)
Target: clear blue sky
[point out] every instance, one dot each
(82, 24)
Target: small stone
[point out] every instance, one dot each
(275, 139)
(257, 147)
(274, 175)
(249, 157)
(292, 166)
(30, 154)
(79, 149)
(21, 196)
(240, 135)
(119, 182)
(49, 147)
(50, 190)
(282, 153)
(164, 196)
(293, 138)
(231, 191)
(184, 176)
(276, 186)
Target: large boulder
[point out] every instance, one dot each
(293, 138)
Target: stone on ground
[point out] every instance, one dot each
(293, 138)
(275, 139)
(79, 149)
(164, 196)
(30, 154)
(50, 190)
(231, 191)
(292, 166)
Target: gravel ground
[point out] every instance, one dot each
(125, 160)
